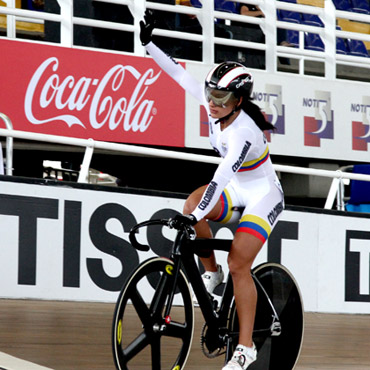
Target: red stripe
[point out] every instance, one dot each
(256, 165)
(253, 232)
(222, 207)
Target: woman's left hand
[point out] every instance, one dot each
(147, 27)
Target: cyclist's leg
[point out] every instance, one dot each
(254, 229)
(223, 212)
(244, 250)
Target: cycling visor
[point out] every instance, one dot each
(219, 98)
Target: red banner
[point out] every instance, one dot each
(88, 94)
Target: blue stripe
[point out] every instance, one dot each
(256, 227)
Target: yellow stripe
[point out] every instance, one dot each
(257, 220)
(254, 161)
(228, 205)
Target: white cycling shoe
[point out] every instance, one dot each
(243, 356)
(211, 280)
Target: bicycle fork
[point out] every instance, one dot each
(174, 273)
(275, 328)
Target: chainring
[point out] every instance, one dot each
(210, 346)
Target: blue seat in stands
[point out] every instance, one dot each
(343, 5)
(359, 191)
(288, 16)
(313, 41)
(220, 5)
(360, 6)
(196, 3)
(312, 20)
(342, 47)
(357, 48)
(225, 6)
(293, 38)
(292, 17)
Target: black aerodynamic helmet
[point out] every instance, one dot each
(232, 77)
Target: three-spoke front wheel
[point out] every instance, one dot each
(143, 336)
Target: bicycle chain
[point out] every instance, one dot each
(203, 345)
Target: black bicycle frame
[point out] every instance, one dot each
(203, 247)
(188, 249)
(183, 253)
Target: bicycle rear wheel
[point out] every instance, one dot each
(142, 338)
(276, 352)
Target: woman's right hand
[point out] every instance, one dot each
(146, 27)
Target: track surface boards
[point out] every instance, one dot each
(76, 336)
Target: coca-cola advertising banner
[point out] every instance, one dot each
(86, 94)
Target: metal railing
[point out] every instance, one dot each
(9, 146)
(1, 161)
(206, 16)
(90, 145)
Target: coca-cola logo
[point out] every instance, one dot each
(109, 101)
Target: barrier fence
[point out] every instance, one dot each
(9, 147)
(206, 16)
(90, 145)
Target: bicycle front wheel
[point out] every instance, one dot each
(142, 337)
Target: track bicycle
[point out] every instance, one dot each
(163, 324)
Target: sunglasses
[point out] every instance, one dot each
(219, 98)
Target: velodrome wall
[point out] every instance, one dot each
(64, 241)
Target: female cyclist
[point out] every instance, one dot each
(245, 178)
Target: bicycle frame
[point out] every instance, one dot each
(212, 317)
(206, 302)
(184, 249)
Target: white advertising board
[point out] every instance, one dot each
(71, 243)
(313, 117)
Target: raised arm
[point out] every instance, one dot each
(167, 63)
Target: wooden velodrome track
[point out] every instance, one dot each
(74, 336)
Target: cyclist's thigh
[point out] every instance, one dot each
(230, 206)
(261, 213)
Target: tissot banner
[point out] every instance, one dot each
(88, 94)
(71, 243)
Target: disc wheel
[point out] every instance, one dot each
(141, 336)
(275, 352)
